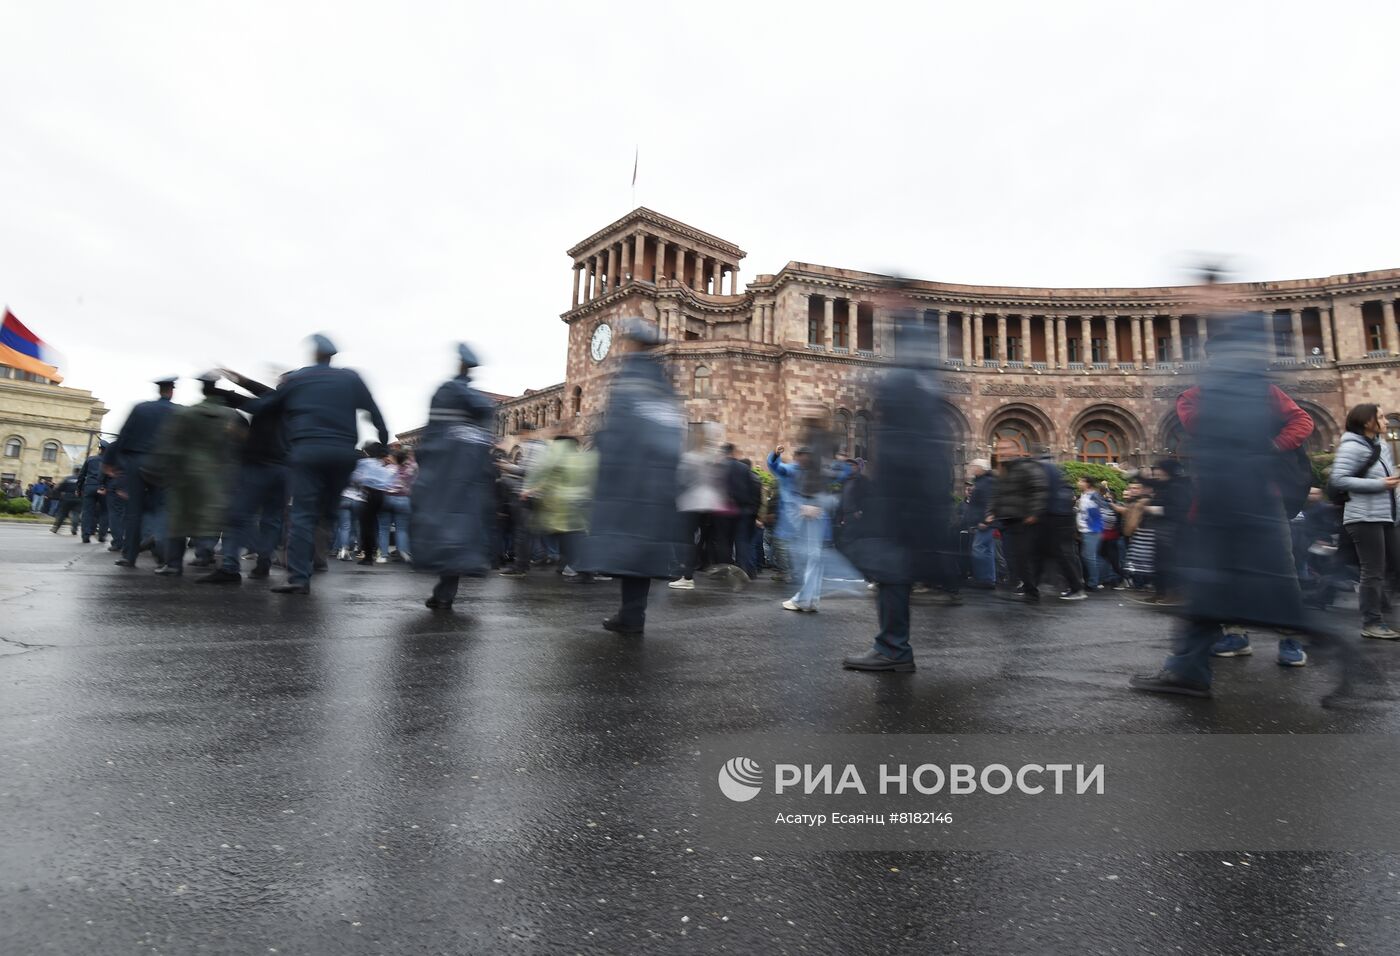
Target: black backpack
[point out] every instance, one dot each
(1339, 496)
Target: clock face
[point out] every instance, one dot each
(602, 341)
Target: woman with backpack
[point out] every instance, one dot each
(1363, 474)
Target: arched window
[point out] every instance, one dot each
(578, 400)
(1016, 431)
(50, 451)
(556, 411)
(1099, 442)
(861, 445)
(703, 387)
(13, 447)
(843, 433)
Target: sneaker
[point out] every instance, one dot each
(219, 576)
(343, 555)
(682, 584)
(791, 605)
(1072, 595)
(1167, 682)
(1291, 654)
(1233, 644)
(1381, 632)
(567, 572)
(379, 558)
(1121, 586)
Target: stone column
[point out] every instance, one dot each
(942, 336)
(659, 272)
(680, 266)
(1001, 338)
(1111, 330)
(828, 322)
(966, 338)
(1200, 337)
(1388, 325)
(717, 274)
(734, 279)
(591, 286)
(639, 255)
(1026, 350)
(1086, 331)
(1176, 338)
(1270, 345)
(1295, 318)
(1324, 319)
(1135, 327)
(977, 355)
(612, 269)
(1062, 339)
(576, 283)
(625, 257)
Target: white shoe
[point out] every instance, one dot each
(344, 554)
(379, 558)
(791, 605)
(682, 584)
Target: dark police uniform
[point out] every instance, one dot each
(91, 482)
(135, 443)
(317, 405)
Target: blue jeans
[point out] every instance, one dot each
(807, 554)
(347, 522)
(984, 555)
(255, 520)
(1191, 644)
(398, 508)
(1089, 551)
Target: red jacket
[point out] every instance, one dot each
(1297, 424)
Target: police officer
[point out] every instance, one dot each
(135, 443)
(260, 490)
(92, 485)
(317, 405)
(68, 498)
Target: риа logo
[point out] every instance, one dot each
(739, 779)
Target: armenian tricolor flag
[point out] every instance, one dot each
(22, 349)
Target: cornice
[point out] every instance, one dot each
(644, 215)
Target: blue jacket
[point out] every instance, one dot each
(318, 404)
(788, 475)
(140, 431)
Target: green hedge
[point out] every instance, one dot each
(1074, 470)
(16, 506)
(1321, 465)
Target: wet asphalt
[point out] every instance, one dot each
(193, 769)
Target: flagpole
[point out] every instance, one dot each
(636, 155)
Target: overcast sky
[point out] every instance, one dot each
(195, 183)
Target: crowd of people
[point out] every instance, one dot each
(274, 475)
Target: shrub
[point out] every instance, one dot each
(1074, 470)
(1321, 465)
(16, 506)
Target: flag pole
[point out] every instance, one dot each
(636, 155)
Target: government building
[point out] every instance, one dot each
(1091, 373)
(46, 429)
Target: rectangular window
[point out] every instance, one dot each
(1375, 337)
(989, 347)
(1072, 350)
(1013, 349)
(1164, 350)
(1099, 349)
(1188, 350)
(838, 333)
(814, 330)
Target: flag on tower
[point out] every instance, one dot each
(22, 349)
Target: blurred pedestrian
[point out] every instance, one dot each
(1364, 477)
(129, 454)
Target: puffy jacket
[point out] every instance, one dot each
(1369, 500)
(1020, 491)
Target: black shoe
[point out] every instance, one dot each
(292, 589)
(101, 539)
(87, 540)
(433, 604)
(220, 576)
(1166, 682)
(365, 561)
(614, 625)
(877, 662)
(260, 570)
(124, 563)
(53, 530)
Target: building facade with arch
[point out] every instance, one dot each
(1093, 374)
(46, 429)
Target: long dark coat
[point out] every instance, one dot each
(903, 535)
(634, 527)
(453, 520)
(1234, 554)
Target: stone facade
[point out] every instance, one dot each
(1092, 373)
(46, 430)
